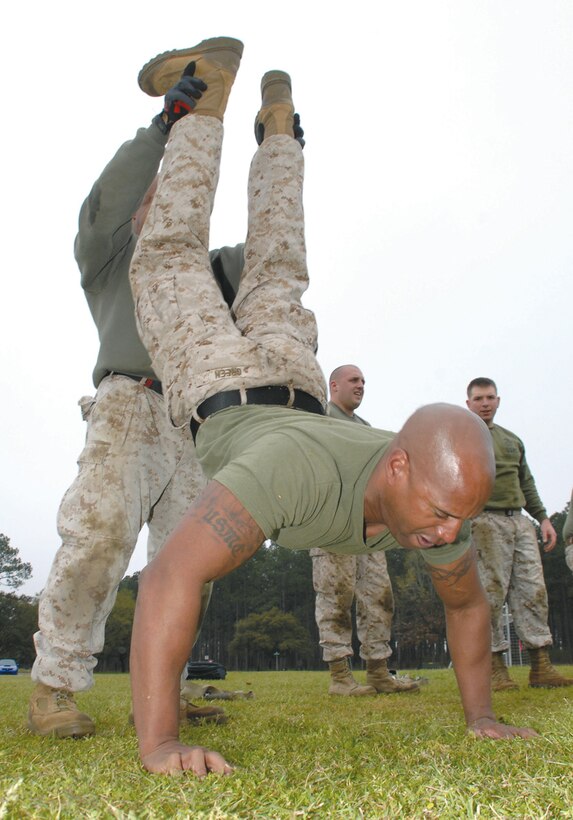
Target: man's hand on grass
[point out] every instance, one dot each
(489, 727)
(175, 758)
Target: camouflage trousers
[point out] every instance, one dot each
(197, 345)
(135, 468)
(338, 579)
(510, 568)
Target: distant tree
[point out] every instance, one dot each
(18, 621)
(260, 635)
(419, 628)
(13, 571)
(273, 577)
(115, 654)
(131, 582)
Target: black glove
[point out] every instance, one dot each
(180, 99)
(298, 132)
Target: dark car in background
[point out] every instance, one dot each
(8, 666)
(205, 670)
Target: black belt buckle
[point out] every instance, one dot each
(510, 513)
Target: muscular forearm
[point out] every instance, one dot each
(164, 627)
(469, 645)
(216, 536)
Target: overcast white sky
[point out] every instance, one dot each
(439, 203)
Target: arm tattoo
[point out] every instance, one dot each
(451, 576)
(229, 531)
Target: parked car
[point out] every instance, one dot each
(8, 666)
(205, 670)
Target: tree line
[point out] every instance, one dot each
(262, 615)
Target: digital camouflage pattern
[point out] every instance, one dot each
(338, 579)
(510, 567)
(135, 468)
(197, 345)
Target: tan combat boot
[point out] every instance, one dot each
(543, 673)
(216, 63)
(276, 115)
(54, 712)
(500, 680)
(189, 713)
(378, 676)
(342, 682)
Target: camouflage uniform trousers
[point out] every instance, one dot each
(135, 468)
(337, 580)
(197, 345)
(510, 567)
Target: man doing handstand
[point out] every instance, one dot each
(248, 381)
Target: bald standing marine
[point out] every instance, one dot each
(339, 580)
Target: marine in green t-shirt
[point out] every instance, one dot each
(277, 472)
(507, 552)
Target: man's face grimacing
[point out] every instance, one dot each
(347, 388)
(438, 472)
(424, 512)
(483, 401)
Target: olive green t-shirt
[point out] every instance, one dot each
(302, 477)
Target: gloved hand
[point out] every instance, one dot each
(180, 99)
(298, 132)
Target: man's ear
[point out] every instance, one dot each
(397, 466)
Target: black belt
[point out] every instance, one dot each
(275, 394)
(510, 512)
(151, 384)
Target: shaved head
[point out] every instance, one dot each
(346, 385)
(438, 471)
(451, 444)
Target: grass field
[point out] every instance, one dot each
(300, 753)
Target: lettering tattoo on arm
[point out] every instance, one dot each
(229, 527)
(450, 577)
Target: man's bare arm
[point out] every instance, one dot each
(216, 536)
(469, 642)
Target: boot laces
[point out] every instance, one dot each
(64, 701)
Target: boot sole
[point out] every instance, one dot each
(353, 694)
(180, 58)
(272, 77)
(73, 732)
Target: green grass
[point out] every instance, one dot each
(300, 753)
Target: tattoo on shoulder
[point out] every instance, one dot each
(229, 531)
(451, 576)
